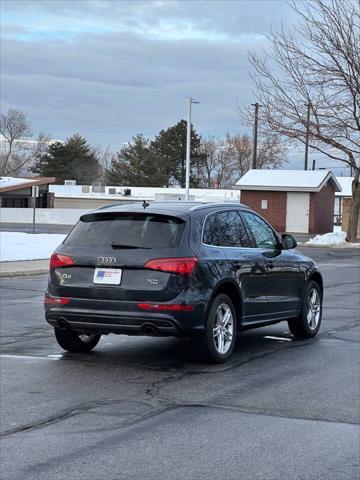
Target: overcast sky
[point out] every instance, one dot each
(112, 69)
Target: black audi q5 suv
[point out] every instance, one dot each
(204, 271)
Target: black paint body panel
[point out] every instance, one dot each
(268, 284)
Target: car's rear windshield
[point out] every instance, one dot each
(127, 231)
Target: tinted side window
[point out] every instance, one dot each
(263, 234)
(211, 232)
(225, 229)
(232, 230)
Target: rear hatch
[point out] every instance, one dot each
(106, 256)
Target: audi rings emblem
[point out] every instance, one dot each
(106, 260)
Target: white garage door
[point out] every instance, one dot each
(297, 212)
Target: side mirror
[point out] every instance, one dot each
(288, 241)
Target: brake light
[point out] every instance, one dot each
(48, 300)
(181, 266)
(174, 307)
(58, 260)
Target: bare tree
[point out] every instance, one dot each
(105, 156)
(240, 148)
(229, 158)
(209, 148)
(14, 127)
(217, 167)
(225, 174)
(24, 155)
(271, 152)
(17, 151)
(317, 65)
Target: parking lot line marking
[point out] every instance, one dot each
(337, 264)
(27, 357)
(11, 301)
(281, 339)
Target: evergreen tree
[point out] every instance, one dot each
(72, 160)
(135, 165)
(170, 150)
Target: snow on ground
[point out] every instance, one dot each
(27, 246)
(333, 238)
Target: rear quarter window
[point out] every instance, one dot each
(127, 230)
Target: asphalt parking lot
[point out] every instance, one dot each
(142, 408)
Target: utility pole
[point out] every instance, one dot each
(307, 136)
(255, 139)
(188, 149)
(314, 164)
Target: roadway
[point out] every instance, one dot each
(142, 408)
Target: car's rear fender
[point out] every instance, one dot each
(230, 288)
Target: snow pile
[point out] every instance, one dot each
(12, 181)
(27, 246)
(333, 238)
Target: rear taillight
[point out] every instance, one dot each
(58, 260)
(48, 300)
(181, 266)
(163, 307)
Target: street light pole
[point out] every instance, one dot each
(188, 149)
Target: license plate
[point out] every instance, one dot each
(107, 276)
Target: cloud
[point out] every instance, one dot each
(163, 20)
(113, 69)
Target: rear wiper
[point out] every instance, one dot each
(120, 245)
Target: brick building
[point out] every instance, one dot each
(295, 201)
(17, 192)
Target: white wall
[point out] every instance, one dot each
(148, 193)
(61, 216)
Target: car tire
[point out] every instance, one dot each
(76, 342)
(217, 343)
(307, 324)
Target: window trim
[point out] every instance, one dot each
(250, 238)
(251, 235)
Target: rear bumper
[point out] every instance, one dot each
(127, 320)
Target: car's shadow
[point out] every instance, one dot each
(172, 354)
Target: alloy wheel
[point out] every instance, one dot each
(314, 309)
(223, 328)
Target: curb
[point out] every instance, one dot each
(24, 273)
